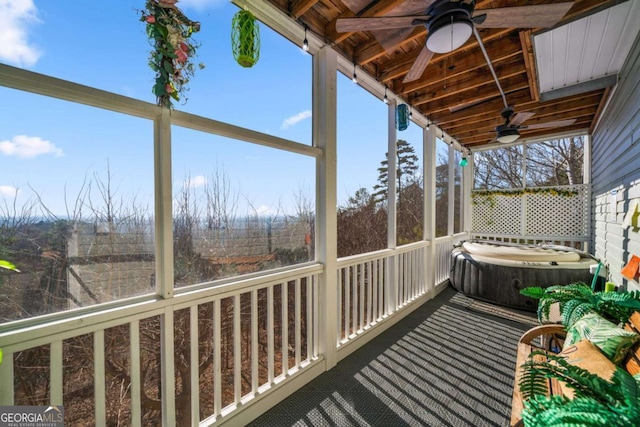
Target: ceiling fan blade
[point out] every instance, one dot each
(470, 104)
(556, 124)
(534, 16)
(519, 118)
(344, 25)
(419, 65)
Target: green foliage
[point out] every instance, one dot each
(553, 191)
(562, 412)
(574, 310)
(7, 265)
(577, 299)
(596, 401)
(170, 32)
(406, 169)
(534, 292)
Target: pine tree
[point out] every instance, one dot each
(406, 168)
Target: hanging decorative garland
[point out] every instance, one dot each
(245, 39)
(170, 32)
(402, 117)
(487, 196)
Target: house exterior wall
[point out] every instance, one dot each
(616, 175)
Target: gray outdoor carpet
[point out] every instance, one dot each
(444, 365)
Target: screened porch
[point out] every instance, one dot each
(183, 303)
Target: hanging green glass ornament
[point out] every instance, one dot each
(402, 117)
(245, 39)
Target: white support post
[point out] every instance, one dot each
(467, 185)
(586, 179)
(586, 167)
(392, 166)
(56, 389)
(6, 380)
(163, 208)
(391, 278)
(325, 65)
(429, 205)
(164, 258)
(134, 354)
(452, 190)
(167, 358)
(99, 378)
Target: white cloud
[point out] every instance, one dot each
(294, 120)
(196, 181)
(8, 191)
(15, 18)
(28, 146)
(200, 5)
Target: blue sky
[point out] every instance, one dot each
(49, 148)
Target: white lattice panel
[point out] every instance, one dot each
(558, 215)
(561, 211)
(497, 214)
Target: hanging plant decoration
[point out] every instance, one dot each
(245, 39)
(170, 33)
(402, 117)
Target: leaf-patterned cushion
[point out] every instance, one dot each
(608, 337)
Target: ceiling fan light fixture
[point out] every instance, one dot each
(508, 135)
(448, 33)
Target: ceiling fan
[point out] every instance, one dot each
(509, 131)
(450, 23)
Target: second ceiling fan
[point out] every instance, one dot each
(450, 23)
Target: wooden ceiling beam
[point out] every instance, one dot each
(498, 48)
(300, 7)
(373, 50)
(590, 101)
(530, 63)
(457, 79)
(469, 81)
(494, 103)
(518, 81)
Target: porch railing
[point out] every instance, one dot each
(234, 341)
(209, 353)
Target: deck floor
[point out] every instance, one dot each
(443, 365)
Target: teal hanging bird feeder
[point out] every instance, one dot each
(245, 39)
(402, 117)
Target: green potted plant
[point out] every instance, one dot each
(596, 401)
(577, 299)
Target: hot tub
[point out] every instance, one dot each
(495, 271)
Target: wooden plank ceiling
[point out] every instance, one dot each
(456, 91)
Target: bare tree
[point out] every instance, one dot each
(555, 162)
(221, 201)
(362, 225)
(499, 168)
